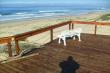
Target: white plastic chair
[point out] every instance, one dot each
(76, 32)
(69, 33)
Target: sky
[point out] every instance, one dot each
(56, 1)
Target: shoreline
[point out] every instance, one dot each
(47, 17)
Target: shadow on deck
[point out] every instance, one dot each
(91, 55)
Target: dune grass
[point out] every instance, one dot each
(25, 47)
(104, 17)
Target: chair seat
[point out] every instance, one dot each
(69, 33)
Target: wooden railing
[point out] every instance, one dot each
(25, 35)
(7, 40)
(34, 32)
(91, 23)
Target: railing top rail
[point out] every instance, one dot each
(91, 22)
(5, 39)
(31, 33)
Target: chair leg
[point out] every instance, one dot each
(64, 40)
(73, 37)
(59, 40)
(79, 36)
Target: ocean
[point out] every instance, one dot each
(25, 11)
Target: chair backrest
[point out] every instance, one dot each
(65, 33)
(77, 30)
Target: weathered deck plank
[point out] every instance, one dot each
(92, 54)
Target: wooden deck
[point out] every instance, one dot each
(91, 55)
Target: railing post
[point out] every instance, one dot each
(95, 31)
(9, 49)
(17, 47)
(51, 35)
(70, 26)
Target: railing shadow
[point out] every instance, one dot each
(69, 65)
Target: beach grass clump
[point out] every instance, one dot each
(23, 46)
(1, 32)
(105, 17)
(3, 52)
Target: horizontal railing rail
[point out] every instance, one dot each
(5, 40)
(25, 35)
(34, 32)
(92, 22)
